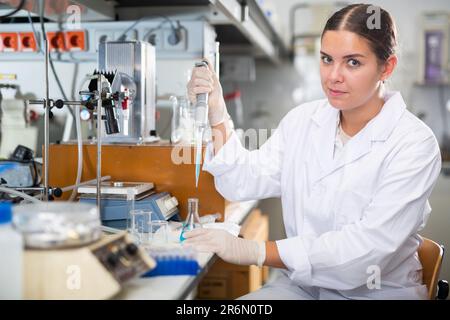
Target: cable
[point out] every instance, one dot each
(34, 32)
(44, 36)
(20, 194)
(123, 35)
(14, 11)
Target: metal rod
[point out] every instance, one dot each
(73, 103)
(46, 123)
(66, 103)
(68, 188)
(99, 138)
(37, 102)
(30, 189)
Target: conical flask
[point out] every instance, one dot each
(193, 219)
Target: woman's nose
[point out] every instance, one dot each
(336, 74)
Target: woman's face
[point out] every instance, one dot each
(349, 70)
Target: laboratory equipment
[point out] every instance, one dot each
(210, 218)
(434, 53)
(174, 261)
(20, 174)
(64, 246)
(158, 232)
(201, 121)
(183, 121)
(20, 170)
(117, 189)
(99, 95)
(434, 56)
(114, 211)
(57, 224)
(139, 229)
(135, 60)
(11, 247)
(192, 220)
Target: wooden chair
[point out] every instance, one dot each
(431, 255)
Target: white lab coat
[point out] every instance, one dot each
(345, 218)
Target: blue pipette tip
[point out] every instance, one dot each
(197, 173)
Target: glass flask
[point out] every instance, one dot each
(193, 220)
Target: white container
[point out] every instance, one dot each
(11, 250)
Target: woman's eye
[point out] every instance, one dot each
(326, 60)
(353, 63)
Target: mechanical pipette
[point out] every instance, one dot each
(201, 121)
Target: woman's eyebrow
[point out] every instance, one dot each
(353, 55)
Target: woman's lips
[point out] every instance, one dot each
(336, 93)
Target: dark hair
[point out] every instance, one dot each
(355, 18)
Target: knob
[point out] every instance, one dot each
(57, 192)
(59, 103)
(131, 249)
(112, 259)
(171, 203)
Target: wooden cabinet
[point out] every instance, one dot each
(170, 167)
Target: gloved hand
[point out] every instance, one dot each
(228, 247)
(204, 80)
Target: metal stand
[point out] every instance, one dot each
(49, 103)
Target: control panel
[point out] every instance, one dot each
(122, 257)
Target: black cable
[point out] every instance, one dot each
(167, 19)
(14, 11)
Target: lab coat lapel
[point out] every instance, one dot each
(356, 148)
(324, 134)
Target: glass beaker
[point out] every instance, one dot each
(140, 220)
(158, 232)
(192, 220)
(187, 121)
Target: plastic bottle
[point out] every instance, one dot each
(11, 248)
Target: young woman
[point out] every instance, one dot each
(354, 172)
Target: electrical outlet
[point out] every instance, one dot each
(56, 41)
(170, 43)
(27, 42)
(102, 36)
(76, 40)
(9, 42)
(155, 38)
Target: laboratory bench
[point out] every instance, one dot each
(155, 163)
(184, 287)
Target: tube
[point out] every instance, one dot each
(80, 152)
(20, 194)
(80, 143)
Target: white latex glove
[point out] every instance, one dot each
(204, 80)
(228, 247)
